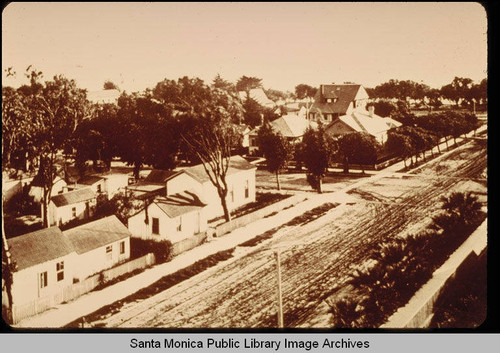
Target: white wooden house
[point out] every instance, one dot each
(36, 188)
(174, 218)
(99, 245)
(67, 206)
(45, 262)
(240, 180)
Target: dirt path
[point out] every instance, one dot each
(316, 258)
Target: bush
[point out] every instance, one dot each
(161, 249)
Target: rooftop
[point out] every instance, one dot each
(96, 234)
(73, 197)
(34, 248)
(236, 164)
(345, 94)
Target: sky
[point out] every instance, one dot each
(136, 45)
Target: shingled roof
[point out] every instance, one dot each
(344, 95)
(179, 204)
(72, 197)
(157, 176)
(34, 248)
(96, 234)
(236, 164)
(292, 125)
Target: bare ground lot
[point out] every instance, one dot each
(317, 257)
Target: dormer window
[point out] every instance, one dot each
(328, 100)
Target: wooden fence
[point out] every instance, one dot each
(420, 309)
(188, 243)
(242, 221)
(76, 290)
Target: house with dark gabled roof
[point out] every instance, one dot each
(76, 204)
(334, 100)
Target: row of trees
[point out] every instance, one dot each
(318, 150)
(461, 89)
(185, 116)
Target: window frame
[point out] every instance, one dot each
(155, 225)
(60, 271)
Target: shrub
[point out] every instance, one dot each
(161, 249)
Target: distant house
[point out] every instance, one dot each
(258, 95)
(99, 245)
(36, 187)
(362, 121)
(71, 205)
(290, 126)
(94, 182)
(45, 262)
(114, 183)
(333, 101)
(153, 185)
(244, 131)
(174, 218)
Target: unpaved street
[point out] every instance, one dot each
(316, 257)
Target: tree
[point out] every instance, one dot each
(345, 313)
(246, 83)
(359, 148)
(8, 268)
(253, 112)
(457, 90)
(96, 138)
(399, 144)
(275, 148)
(316, 151)
(56, 108)
(110, 85)
(275, 95)
(384, 107)
(305, 91)
(211, 136)
(17, 130)
(461, 212)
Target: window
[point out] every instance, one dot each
(109, 252)
(122, 247)
(99, 188)
(328, 100)
(155, 226)
(43, 279)
(247, 189)
(179, 224)
(60, 271)
(73, 212)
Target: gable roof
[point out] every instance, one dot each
(158, 176)
(90, 180)
(96, 234)
(258, 95)
(363, 122)
(72, 197)
(37, 247)
(179, 204)
(236, 164)
(292, 125)
(345, 94)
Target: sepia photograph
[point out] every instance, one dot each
(282, 165)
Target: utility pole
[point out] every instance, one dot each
(280, 299)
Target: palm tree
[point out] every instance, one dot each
(345, 313)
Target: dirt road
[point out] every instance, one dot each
(316, 257)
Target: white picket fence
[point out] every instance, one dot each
(76, 290)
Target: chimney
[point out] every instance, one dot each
(371, 110)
